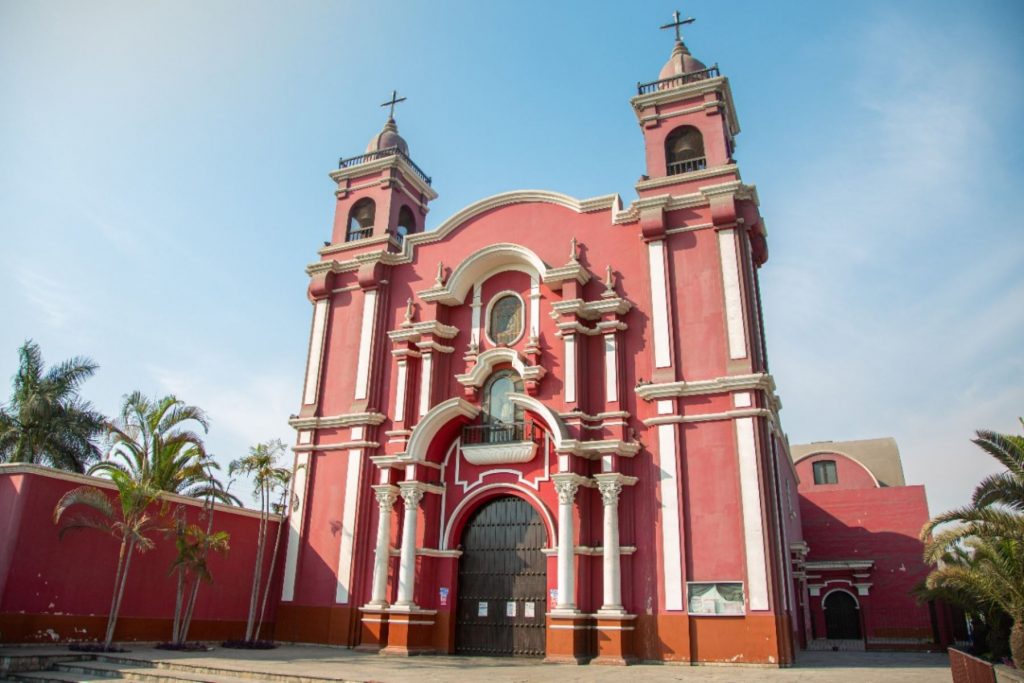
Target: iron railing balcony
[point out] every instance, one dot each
(381, 154)
(676, 81)
(687, 165)
(500, 432)
(359, 234)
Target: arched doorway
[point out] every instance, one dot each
(842, 616)
(502, 581)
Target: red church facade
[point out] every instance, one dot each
(549, 420)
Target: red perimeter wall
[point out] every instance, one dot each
(59, 590)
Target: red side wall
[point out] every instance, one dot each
(54, 589)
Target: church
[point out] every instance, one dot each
(546, 426)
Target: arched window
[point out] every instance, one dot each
(360, 219)
(503, 417)
(684, 151)
(406, 223)
(505, 319)
(825, 472)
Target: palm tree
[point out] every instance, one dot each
(991, 531)
(129, 522)
(45, 421)
(194, 546)
(268, 478)
(155, 441)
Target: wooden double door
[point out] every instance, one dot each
(502, 581)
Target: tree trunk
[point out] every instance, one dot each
(178, 597)
(1017, 641)
(261, 542)
(118, 594)
(270, 575)
(111, 616)
(191, 601)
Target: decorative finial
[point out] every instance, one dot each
(439, 280)
(677, 23)
(572, 250)
(609, 283)
(395, 99)
(408, 313)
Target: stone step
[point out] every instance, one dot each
(217, 673)
(55, 677)
(145, 672)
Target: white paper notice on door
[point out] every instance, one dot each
(481, 609)
(510, 609)
(528, 610)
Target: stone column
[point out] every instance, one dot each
(612, 580)
(566, 486)
(407, 564)
(386, 496)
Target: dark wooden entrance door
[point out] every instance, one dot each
(502, 581)
(842, 617)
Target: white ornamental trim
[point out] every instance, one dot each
(486, 362)
(500, 454)
(416, 331)
(757, 381)
(331, 421)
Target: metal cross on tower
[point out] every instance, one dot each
(395, 99)
(677, 23)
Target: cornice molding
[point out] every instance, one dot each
(378, 165)
(719, 84)
(339, 446)
(415, 331)
(332, 421)
(758, 381)
(714, 171)
(707, 417)
(591, 310)
(593, 450)
(486, 362)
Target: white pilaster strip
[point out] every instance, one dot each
(365, 343)
(474, 333)
(295, 514)
(316, 351)
(611, 371)
(753, 525)
(534, 306)
(667, 477)
(348, 523)
(400, 390)
(427, 367)
(659, 304)
(733, 301)
(570, 368)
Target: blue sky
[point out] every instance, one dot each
(163, 182)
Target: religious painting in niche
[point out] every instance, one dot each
(506, 323)
(715, 598)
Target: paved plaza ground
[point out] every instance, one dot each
(321, 664)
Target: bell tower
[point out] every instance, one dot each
(382, 194)
(687, 116)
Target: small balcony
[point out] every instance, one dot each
(361, 233)
(676, 81)
(687, 166)
(381, 154)
(500, 443)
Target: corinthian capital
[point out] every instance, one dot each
(566, 490)
(412, 497)
(385, 498)
(610, 490)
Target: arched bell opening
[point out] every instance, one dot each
(684, 151)
(502, 579)
(406, 223)
(360, 219)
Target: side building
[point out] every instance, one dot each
(861, 523)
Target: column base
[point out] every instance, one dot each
(410, 631)
(568, 638)
(373, 628)
(615, 638)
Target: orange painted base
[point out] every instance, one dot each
(410, 633)
(307, 624)
(373, 630)
(615, 640)
(569, 639)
